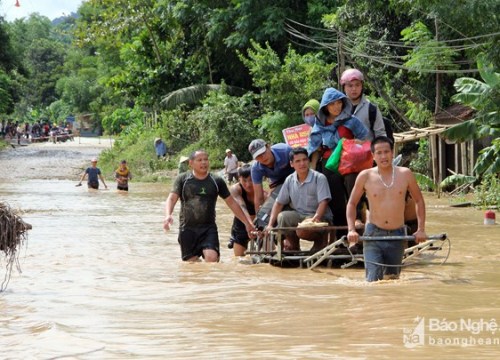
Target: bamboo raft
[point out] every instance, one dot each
(269, 249)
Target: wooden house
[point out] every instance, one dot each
(447, 157)
(85, 126)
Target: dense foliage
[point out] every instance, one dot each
(237, 69)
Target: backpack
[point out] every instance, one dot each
(372, 115)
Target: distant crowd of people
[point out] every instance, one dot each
(38, 130)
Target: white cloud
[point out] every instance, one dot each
(50, 8)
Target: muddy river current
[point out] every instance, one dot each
(100, 279)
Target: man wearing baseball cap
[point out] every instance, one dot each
(94, 174)
(271, 162)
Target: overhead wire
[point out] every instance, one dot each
(385, 60)
(353, 52)
(402, 57)
(434, 50)
(349, 44)
(403, 44)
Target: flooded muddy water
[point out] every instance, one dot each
(101, 280)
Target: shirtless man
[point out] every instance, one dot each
(198, 191)
(242, 192)
(385, 186)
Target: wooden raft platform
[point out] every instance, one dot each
(269, 249)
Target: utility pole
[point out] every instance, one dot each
(437, 105)
(340, 56)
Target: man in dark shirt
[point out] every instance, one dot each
(198, 191)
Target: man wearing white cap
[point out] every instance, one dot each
(230, 166)
(94, 174)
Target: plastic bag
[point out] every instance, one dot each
(332, 163)
(355, 157)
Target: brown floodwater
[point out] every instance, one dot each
(102, 280)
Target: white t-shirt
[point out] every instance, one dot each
(231, 163)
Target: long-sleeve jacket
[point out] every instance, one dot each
(328, 135)
(363, 114)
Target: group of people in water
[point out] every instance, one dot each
(302, 189)
(303, 192)
(94, 174)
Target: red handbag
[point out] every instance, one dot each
(355, 157)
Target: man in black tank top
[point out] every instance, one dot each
(243, 193)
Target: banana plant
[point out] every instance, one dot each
(484, 97)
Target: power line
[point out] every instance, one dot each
(402, 44)
(380, 59)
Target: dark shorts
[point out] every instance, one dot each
(412, 226)
(93, 185)
(122, 188)
(193, 240)
(239, 234)
(232, 175)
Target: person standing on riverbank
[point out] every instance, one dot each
(122, 176)
(198, 190)
(160, 148)
(94, 174)
(385, 186)
(231, 166)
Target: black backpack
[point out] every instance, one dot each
(372, 115)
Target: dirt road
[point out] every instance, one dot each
(50, 161)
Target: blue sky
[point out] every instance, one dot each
(50, 8)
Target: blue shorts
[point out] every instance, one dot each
(386, 252)
(193, 240)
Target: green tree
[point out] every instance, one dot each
(7, 59)
(121, 118)
(44, 61)
(484, 97)
(137, 45)
(222, 121)
(367, 35)
(285, 85)
(38, 60)
(6, 102)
